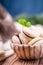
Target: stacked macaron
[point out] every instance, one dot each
(28, 44)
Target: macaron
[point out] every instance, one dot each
(33, 41)
(24, 39)
(31, 31)
(15, 40)
(39, 42)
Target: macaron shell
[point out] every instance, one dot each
(39, 42)
(33, 41)
(24, 39)
(15, 40)
(31, 32)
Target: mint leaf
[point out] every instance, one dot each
(22, 21)
(28, 24)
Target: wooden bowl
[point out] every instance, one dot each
(25, 51)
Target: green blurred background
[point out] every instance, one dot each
(36, 19)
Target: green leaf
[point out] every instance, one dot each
(22, 21)
(28, 24)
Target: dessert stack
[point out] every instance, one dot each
(28, 44)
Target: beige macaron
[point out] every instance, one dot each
(15, 40)
(32, 31)
(24, 39)
(39, 42)
(35, 40)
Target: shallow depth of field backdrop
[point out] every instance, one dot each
(16, 7)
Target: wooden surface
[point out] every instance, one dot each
(13, 60)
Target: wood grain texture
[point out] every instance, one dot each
(13, 60)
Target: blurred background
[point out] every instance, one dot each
(32, 9)
(16, 7)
